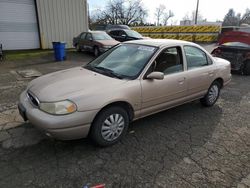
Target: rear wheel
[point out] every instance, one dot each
(212, 95)
(96, 51)
(110, 126)
(246, 69)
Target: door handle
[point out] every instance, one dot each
(182, 80)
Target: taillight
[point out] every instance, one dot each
(216, 52)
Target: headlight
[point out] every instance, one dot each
(58, 108)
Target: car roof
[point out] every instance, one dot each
(160, 42)
(119, 29)
(96, 32)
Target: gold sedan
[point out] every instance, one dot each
(130, 81)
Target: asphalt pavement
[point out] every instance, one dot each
(187, 146)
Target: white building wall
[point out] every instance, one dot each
(61, 20)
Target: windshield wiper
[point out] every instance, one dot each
(108, 72)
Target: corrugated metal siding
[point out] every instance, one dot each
(18, 25)
(61, 20)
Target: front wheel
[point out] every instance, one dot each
(109, 126)
(212, 95)
(246, 69)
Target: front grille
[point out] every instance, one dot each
(33, 99)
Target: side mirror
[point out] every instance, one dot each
(124, 36)
(156, 76)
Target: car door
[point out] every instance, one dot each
(81, 40)
(88, 42)
(158, 95)
(114, 34)
(200, 71)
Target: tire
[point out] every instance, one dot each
(246, 69)
(212, 94)
(96, 51)
(78, 49)
(109, 126)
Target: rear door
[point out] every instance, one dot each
(88, 42)
(81, 40)
(200, 71)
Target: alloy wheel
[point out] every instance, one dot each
(213, 93)
(112, 127)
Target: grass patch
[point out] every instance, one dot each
(15, 55)
(25, 54)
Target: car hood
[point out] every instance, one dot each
(108, 42)
(71, 83)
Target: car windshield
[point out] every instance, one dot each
(132, 33)
(123, 61)
(236, 44)
(101, 36)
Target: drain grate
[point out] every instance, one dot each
(29, 73)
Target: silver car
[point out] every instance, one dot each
(132, 80)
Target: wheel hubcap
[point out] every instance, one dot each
(213, 93)
(112, 127)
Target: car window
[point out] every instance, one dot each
(195, 57)
(127, 60)
(83, 35)
(132, 33)
(89, 36)
(122, 33)
(169, 61)
(115, 33)
(101, 36)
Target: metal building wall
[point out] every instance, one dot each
(18, 25)
(61, 20)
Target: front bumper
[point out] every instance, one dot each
(63, 127)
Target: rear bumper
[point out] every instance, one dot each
(65, 127)
(226, 82)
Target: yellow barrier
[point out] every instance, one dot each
(179, 29)
(192, 38)
(196, 33)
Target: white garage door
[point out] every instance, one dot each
(18, 24)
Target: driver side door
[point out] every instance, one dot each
(158, 95)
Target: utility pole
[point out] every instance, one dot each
(196, 12)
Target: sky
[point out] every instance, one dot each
(212, 10)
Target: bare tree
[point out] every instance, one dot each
(199, 16)
(159, 11)
(231, 19)
(126, 12)
(245, 19)
(186, 17)
(167, 16)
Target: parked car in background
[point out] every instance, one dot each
(130, 81)
(94, 41)
(108, 27)
(125, 35)
(237, 53)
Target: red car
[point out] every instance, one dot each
(234, 46)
